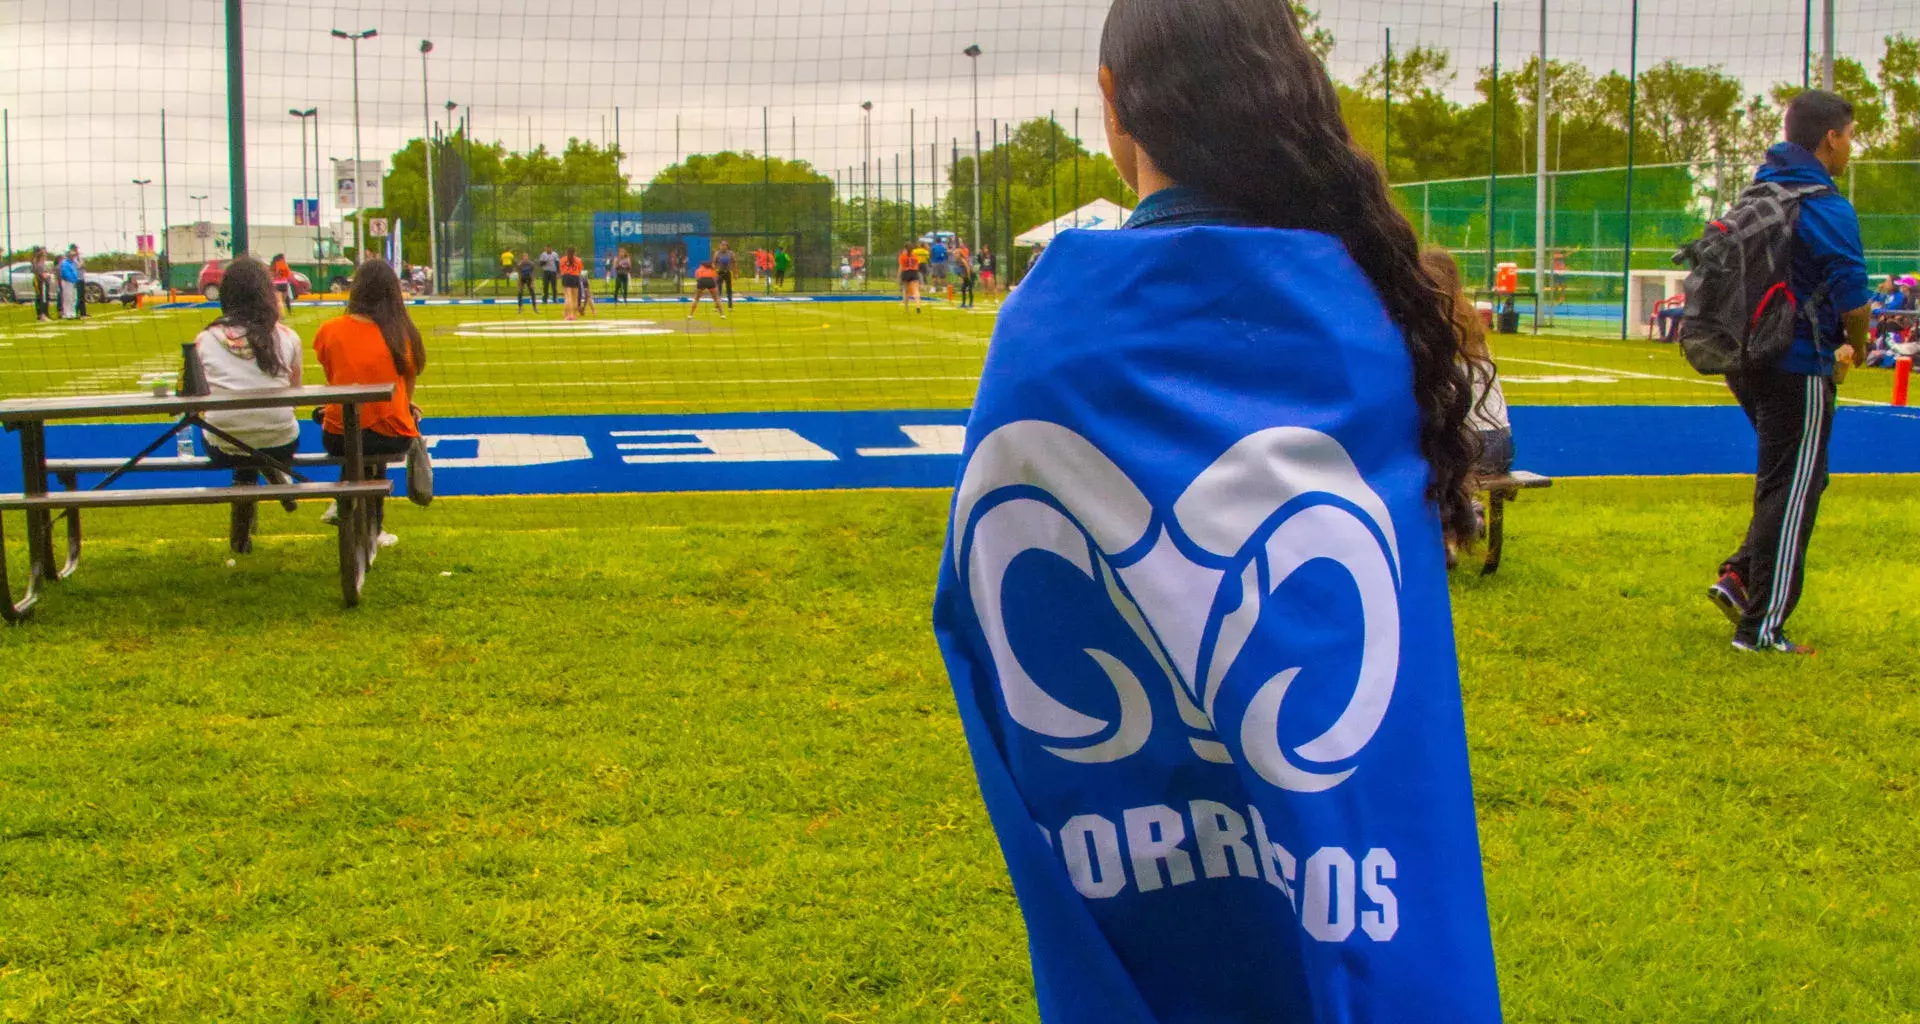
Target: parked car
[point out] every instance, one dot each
(102, 286)
(132, 285)
(215, 269)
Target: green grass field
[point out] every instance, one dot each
(487, 360)
(694, 758)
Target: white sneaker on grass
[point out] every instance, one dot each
(331, 516)
(388, 540)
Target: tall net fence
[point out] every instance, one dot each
(827, 146)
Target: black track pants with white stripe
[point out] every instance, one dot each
(1793, 415)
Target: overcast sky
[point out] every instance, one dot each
(84, 81)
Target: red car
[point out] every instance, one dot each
(210, 281)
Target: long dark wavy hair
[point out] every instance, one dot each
(249, 302)
(1225, 97)
(376, 295)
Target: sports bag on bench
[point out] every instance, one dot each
(1740, 311)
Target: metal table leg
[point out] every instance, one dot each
(33, 467)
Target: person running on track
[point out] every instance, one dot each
(706, 281)
(909, 279)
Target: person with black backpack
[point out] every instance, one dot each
(1777, 301)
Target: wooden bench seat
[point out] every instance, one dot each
(358, 527)
(155, 497)
(68, 470)
(1500, 490)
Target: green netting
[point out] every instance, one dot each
(1587, 214)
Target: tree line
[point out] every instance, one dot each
(1695, 114)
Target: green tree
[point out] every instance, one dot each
(1899, 82)
(1319, 39)
(1852, 81)
(731, 168)
(1031, 179)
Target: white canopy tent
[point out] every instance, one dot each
(1099, 215)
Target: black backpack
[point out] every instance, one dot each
(1740, 311)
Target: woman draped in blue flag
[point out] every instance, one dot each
(1194, 598)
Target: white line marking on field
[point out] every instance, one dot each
(695, 383)
(1714, 383)
(694, 361)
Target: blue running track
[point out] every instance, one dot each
(812, 451)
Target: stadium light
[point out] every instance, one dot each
(311, 112)
(426, 143)
(359, 183)
(973, 55)
(866, 187)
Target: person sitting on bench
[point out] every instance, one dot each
(249, 348)
(1492, 430)
(376, 342)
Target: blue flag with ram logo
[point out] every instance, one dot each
(1194, 606)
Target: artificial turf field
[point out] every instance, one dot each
(785, 355)
(694, 758)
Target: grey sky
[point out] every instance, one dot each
(84, 80)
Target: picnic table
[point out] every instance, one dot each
(28, 417)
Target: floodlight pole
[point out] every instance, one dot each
(166, 242)
(973, 54)
(1540, 175)
(1493, 154)
(866, 189)
(237, 126)
(314, 112)
(359, 183)
(426, 143)
(142, 182)
(1826, 59)
(1806, 49)
(6, 160)
(1633, 99)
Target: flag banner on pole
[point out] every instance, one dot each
(300, 213)
(1194, 607)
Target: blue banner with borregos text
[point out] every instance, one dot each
(646, 233)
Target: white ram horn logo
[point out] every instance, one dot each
(1046, 488)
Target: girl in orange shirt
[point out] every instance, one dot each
(909, 279)
(283, 283)
(375, 343)
(570, 270)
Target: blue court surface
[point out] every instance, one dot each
(827, 450)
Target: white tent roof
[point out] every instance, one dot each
(1099, 215)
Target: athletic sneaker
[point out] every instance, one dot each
(1730, 596)
(1780, 646)
(331, 516)
(388, 540)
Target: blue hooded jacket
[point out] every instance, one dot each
(1826, 248)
